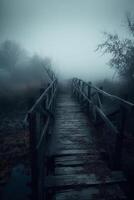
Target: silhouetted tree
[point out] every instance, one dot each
(19, 72)
(122, 51)
(10, 55)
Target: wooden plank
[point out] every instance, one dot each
(69, 152)
(81, 169)
(78, 165)
(69, 170)
(77, 161)
(92, 193)
(125, 103)
(83, 180)
(76, 146)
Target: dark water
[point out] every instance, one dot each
(17, 187)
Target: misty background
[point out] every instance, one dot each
(44, 39)
(66, 31)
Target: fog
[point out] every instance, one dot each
(68, 31)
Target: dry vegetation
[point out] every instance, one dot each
(21, 78)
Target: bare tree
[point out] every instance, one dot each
(10, 55)
(20, 72)
(122, 51)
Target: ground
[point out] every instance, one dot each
(14, 140)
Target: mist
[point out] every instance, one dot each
(66, 99)
(67, 31)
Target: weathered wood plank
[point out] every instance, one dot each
(79, 171)
(84, 180)
(77, 159)
(92, 193)
(70, 152)
(76, 162)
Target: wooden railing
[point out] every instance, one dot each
(40, 118)
(91, 99)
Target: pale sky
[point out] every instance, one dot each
(68, 31)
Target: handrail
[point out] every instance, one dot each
(123, 101)
(41, 98)
(92, 101)
(47, 123)
(39, 118)
(39, 101)
(100, 112)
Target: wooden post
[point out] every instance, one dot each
(81, 89)
(101, 95)
(34, 155)
(72, 88)
(89, 96)
(78, 86)
(89, 90)
(76, 92)
(119, 139)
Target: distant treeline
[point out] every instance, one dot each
(122, 58)
(21, 74)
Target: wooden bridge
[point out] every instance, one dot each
(75, 146)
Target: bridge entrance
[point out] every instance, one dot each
(76, 169)
(69, 163)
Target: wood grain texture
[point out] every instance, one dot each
(79, 172)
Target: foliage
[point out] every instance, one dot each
(122, 51)
(21, 73)
(10, 55)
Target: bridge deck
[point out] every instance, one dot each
(78, 172)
